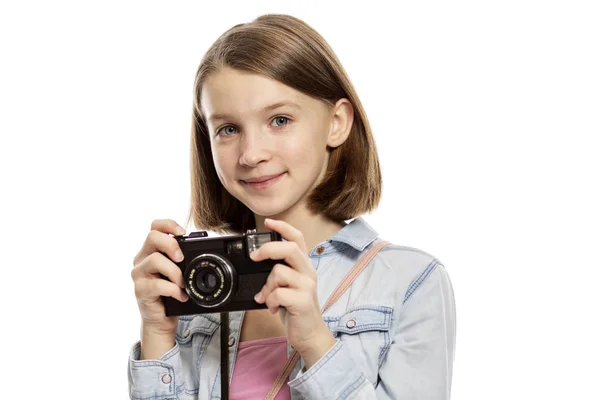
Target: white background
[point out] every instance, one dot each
(486, 116)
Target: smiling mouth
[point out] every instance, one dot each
(263, 183)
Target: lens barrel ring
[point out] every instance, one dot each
(219, 262)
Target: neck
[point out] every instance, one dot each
(315, 228)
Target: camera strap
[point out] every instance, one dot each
(224, 356)
(337, 293)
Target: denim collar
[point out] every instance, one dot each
(357, 233)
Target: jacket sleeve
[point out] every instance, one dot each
(418, 364)
(155, 379)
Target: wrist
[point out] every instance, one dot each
(155, 343)
(319, 347)
(156, 330)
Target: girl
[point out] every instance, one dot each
(280, 142)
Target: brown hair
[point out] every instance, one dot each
(288, 50)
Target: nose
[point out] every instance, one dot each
(254, 149)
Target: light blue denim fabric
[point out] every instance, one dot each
(395, 331)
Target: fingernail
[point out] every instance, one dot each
(267, 220)
(253, 254)
(258, 297)
(180, 231)
(185, 297)
(178, 256)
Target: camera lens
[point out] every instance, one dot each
(209, 280)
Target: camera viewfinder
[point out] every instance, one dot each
(256, 240)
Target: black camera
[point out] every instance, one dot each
(219, 275)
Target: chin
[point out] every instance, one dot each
(267, 208)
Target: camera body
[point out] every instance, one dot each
(219, 275)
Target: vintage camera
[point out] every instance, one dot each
(218, 273)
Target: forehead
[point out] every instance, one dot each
(229, 91)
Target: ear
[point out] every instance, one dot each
(342, 118)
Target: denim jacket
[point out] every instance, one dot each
(395, 331)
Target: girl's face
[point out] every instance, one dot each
(269, 141)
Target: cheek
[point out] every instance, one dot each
(306, 155)
(223, 165)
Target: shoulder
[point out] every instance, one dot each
(406, 268)
(396, 258)
(406, 260)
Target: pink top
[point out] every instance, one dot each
(256, 367)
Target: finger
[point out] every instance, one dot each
(283, 297)
(289, 252)
(157, 264)
(153, 288)
(280, 276)
(287, 231)
(167, 226)
(161, 242)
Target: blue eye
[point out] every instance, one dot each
(286, 119)
(223, 129)
(283, 120)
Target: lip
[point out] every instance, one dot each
(263, 182)
(261, 178)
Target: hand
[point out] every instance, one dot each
(149, 264)
(294, 287)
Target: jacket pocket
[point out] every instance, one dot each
(189, 325)
(194, 333)
(365, 330)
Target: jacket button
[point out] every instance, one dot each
(231, 341)
(186, 333)
(351, 324)
(166, 379)
(320, 250)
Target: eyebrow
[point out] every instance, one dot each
(271, 107)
